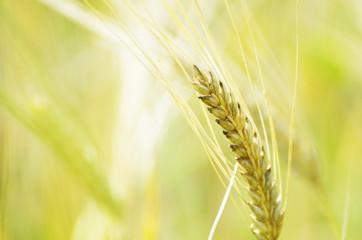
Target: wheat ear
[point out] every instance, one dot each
(265, 201)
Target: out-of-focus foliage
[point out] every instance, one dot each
(58, 95)
(92, 146)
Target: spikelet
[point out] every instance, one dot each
(265, 202)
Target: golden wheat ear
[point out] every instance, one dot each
(265, 201)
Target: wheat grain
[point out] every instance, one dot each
(265, 201)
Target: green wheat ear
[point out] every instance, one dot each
(265, 201)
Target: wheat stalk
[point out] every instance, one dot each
(265, 201)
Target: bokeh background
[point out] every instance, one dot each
(92, 146)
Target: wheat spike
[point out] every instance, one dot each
(265, 201)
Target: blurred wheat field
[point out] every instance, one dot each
(103, 137)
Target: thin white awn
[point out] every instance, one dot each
(218, 216)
